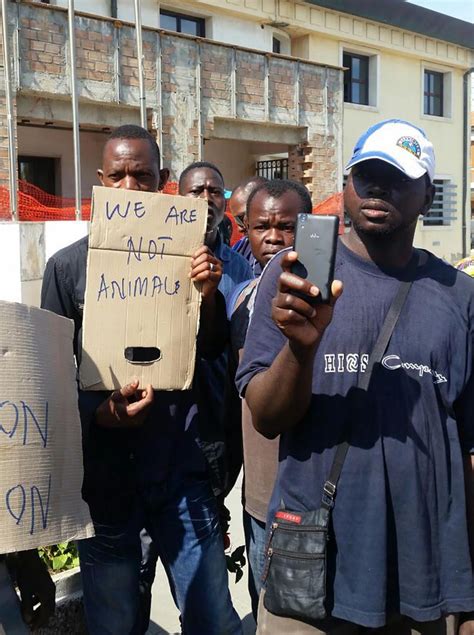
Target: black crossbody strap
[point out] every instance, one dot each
(391, 319)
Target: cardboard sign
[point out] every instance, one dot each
(141, 313)
(40, 432)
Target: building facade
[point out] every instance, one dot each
(253, 85)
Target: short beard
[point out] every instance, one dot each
(382, 232)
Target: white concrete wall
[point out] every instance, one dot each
(10, 280)
(59, 234)
(150, 12)
(17, 284)
(96, 7)
(59, 144)
(246, 33)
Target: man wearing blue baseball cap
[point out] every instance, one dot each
(372, 516)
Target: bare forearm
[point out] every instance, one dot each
(280, 396)
(469, 485)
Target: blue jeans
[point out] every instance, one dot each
(181, 519)
(255, 543)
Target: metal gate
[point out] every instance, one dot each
(273, 169)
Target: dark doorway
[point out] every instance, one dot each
(39, 171)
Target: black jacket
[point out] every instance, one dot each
(110, 470)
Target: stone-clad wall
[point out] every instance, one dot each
(189, 83)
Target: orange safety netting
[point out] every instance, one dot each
(36, 205)
(332, 205)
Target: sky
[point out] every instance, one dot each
(462, 9)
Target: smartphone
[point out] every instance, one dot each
(316, 243)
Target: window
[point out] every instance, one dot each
(444, 204)
(433, 93)
(276, 45)
(356, 78)
(39, 171)
(182, 23)
(273, 169)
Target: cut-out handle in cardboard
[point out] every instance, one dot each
(142, 354)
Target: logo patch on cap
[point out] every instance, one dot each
(411, 145)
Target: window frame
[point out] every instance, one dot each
(427, 94)
(447, 73)
(276, 40)
(200, 22)
(361, 82)
(347, 48)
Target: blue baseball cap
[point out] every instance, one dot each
(398, 143)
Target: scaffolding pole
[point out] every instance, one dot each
(75, 111)
(12, 155)
(141, 79)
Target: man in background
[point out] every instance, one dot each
(270, 221)
(238, 209)
(204, 180)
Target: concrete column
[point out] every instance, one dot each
(32, 261)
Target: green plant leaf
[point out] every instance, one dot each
(59, 562)
(60, 557)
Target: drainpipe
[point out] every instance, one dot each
(10, 121)
(466, 235)
(141, 80)
(113, 8)
(75, 110)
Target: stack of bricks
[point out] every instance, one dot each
(216, 68)
(43, 45)
(318, 168)
(93, 47)
(250, 84)
(282, 89)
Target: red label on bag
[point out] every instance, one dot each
(289, 517)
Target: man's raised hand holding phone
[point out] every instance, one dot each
(296, 316)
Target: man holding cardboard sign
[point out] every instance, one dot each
(143, 466)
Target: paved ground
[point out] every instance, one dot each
(164, 616)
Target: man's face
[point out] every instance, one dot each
(206, 183)
(237, 207)
(271, 223)
(381, 200)
(131, 164)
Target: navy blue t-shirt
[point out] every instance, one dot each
(400, 531)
